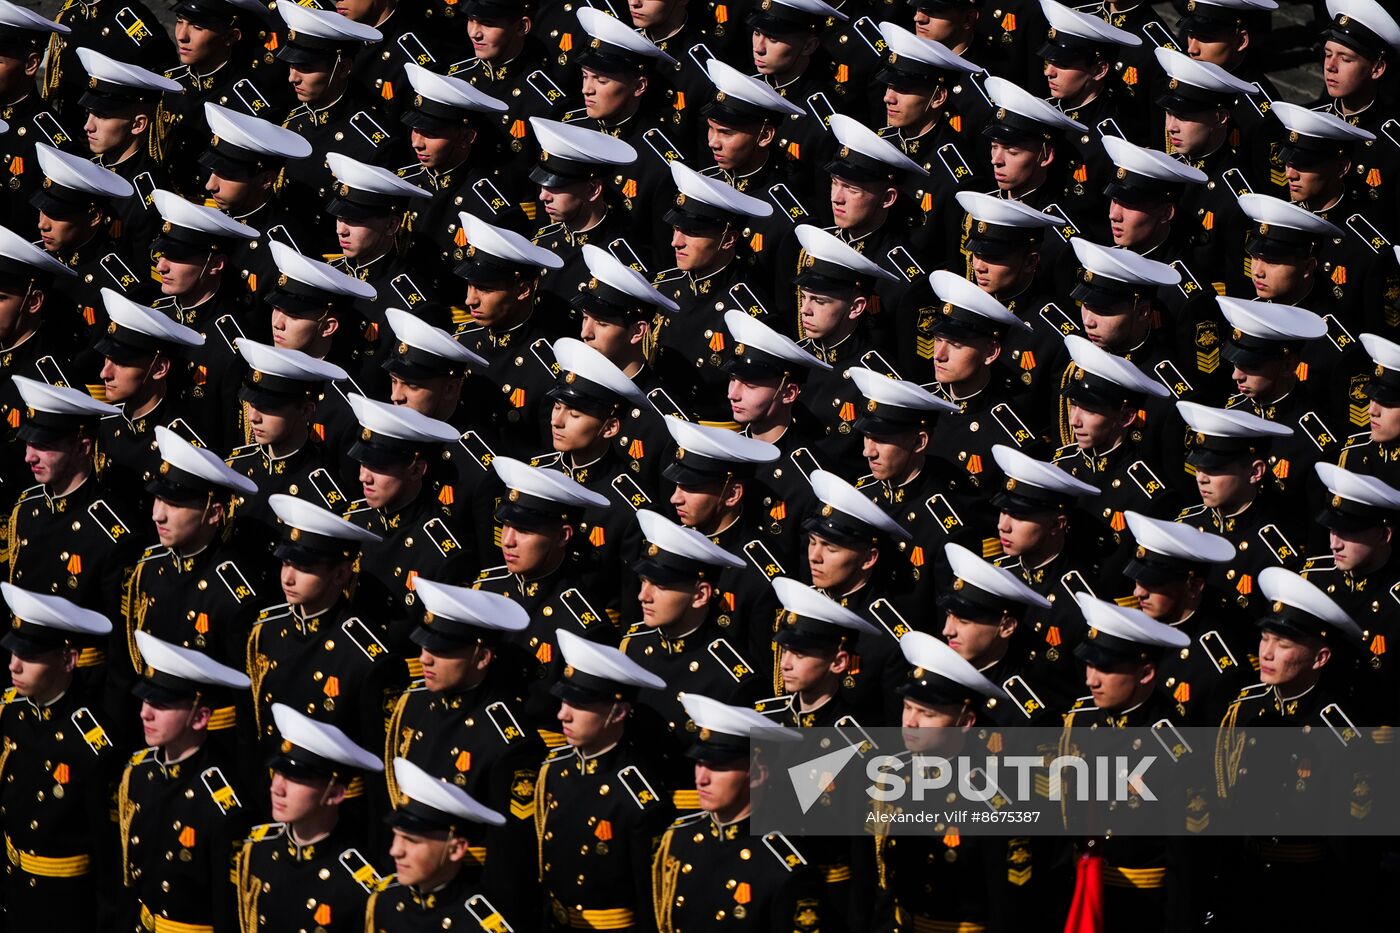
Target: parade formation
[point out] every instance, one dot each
(435, 434)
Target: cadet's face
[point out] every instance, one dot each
(1216, 48)
(723, 787)
(997, 275)
(295, 798)
(1310, 184)
(123, 380)
(1385, 422)
(1165, 602)
(698, 506)
(1108, 327)
(572, 430)
(197, 45)
(16, 74)
(1283, 660)
(1190, 133)
(234, 195)
(385, 485)
(491, 39)
(11, 308)
(1013, 167)
(440, 151)
(823, 315)
(296, 331)
(1346, 71)
(1226, 486)
(417, 858)
(607, 337)
(1094, 430)
(834, 566)
(754, 401)
(310, 82)
(62, 234)
(890, 457)
(177, 524)
(1067, 82)
(1353, 549)
(955, 361)
(1275, 281)
(906, 108)
(178, 278)
(938, 28)
(271, 426)
(1260, 380)
(1114, 687)
(1134, 226)
(649, 13)
(489, 303)
(357, 10)
(917, 717)
(1023, 535)
(444, 671)
(107, 134)
(366, 238)
(663, 605)
(524, 550)
(565, 203)
(583, 723)
(855, 206)
(421, 395)
(776, 54)
(972, 639)
(39, 675)
(605, 95)
(308, 584)
(731, 147)
(802, 671)
(161, 725)
(695, 253)
(53, 462)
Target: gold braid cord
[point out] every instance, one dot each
(9, 548)
(541, 814)
(1066, 748)
(248, 888)
(134, 605)
(369, 911)
(126, 812)
(399, 750)
(1228, 748)
(161, 122)
(651, 340)
(1062, 406)
(258, 665)
(665, 877)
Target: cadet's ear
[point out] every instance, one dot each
(140, 124)
(32, 62)
(1147, 673)
(456, 848)
(992, 353)
(1257, 471)
(939, 98)
(523, 26)
(1006, 627)
(766, 134)
(1324, 654)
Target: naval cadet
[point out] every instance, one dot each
(1168, 572)
(464, 722)
(1105, 395)
(1238, 495)
(333, 112)
(449, 132)
(596, 847)
(689, 637)
(437, 883)
(307, 867)
(545, 571)
(129, 32)
(1375, 451)
(60, 766)
(200, 289)
(24, 36)
(419, 534)
(775, 886)
(179, 814)
(968, 334)
(984, 609)
(240, 171)
(1361, 576)
(368, 210)
(143, 373)
(713, 276)
(1031, 155)
(513, 321)
(584, 202)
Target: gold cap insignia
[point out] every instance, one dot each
(1140, 553)
(257, 375)
(48, 182)
(653, 550)
(947, 308)
(417, 100)
(344, 191)
(291, 35)
(740, 349)
(92, 82)
(596, 44)
(1001, 113)
(1293, 136)
(1263, 229)
(845, 151)
(791, 618)
(568, 670)
(721, 97)
(544, 156)
(366, 434)
(808, 262)
(1093, 633)
(1088, 275)
(1336, 501)
(919, 673)
(1380, 370)
(1173, 84)
(1237, 333)
(1200, 437)
(403, 347)
(164, 468)
(593, 284)
(680, 453)
(981, 226)
(958, 584)
(706, 733)
(894, 57)
(166, 227)
(1343, 20)
(680, 199)
(1011, 484)
(111, 327)
(1051, 34)
(1078, 374)
(514, 495)
(766, 5)
(826, 511)
(1191, 6)
(282, 280)
(871, 405)
(1277, 606)
(1122, 173)
(295, 534)
(570, 378)
(286, 746)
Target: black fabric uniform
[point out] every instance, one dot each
(127, 32)
(459, 904)
(283, 885)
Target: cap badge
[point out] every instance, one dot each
(1088, 275)
(593, 284)
(514, 495)
(808, 262)
(92, 82)
(1078, 374)
(1200, 437)
(1011, 484)
(958, 584)
(1343, 20)
(871, 405)
(1173, 84)
(291, 35)
(1236, 334)
(740, 349)
(706, 733)
(653, 550)
(766, 5)
(48, 182)
(947, 308)
(417, 100)
(826, 511)
(166, 227)
(1293, 136)
(164, 468)
(791, 618)
(344, 191)
(1380, 370)
(680, 199)
(570, 378)
(1140, 553)
(1001, 113)
(894, 57)
(1277, 606)
(111, 327)
(919, 673)
(1051, 34)
(596, 44)
(1122, 173)
(721, 97)
(845, 151)
(1093, 633)
(1191, 6)
(366, 434)
(403, 347)
(1263, 229)
(981, 226)
(295, 535)
(282, 280)
(257, 375)
(286, 746)
(680, 453)
(568, 670)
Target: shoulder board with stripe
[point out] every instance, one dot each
(578, 607)
(1157, 34)
(10, 695)
(854, 734)
(1319, 565)
(145, 186)
(668, 275)
(1027, 700)
(1189, 285)
(872, 360)
(324, 484)
(364, 639)
(723, 652)
(574, 116)
(624, 253)
(1253, 692)
(112, 526)
(1340, 724)
(119, 272)
(1219, 653)
(626, 487)
(870, 34)
(220, 791)
(504, 720)
(363, 872)
(238, 586)
(1011, 423)
(473, 444)
(773, 704)
(442, 537)
(905, 264)
(373, 133)
(1259, 101)
(151, 553)
(562, 752)
(889, 618)
(665, 404)
(954, 163)
(490, 196)
(665, 150)
(689, 818)
(33, 492)
(805, 461)
(547, 230)
(407, 290)
(643, 794)
(466, 64)
(942, 510)
(784, 851)
(144, 755)
(1059, 322)
(1367, 233)
(1141, 474)
(1337, 333)
(1083, 703)
(1395, 592)
(282, 235)
(251, 98)
(639, 630)
(415, 50)
(228, 330)
(1065, 231)
(277, 611)
(499, 572)
(546, 460)
(1317, 432)
(1073, 582)
(543, 353)
(747, 301)
(1171, 739)
(787, 202)
(1277, 544)
(758, 554)
(1065, 453)
(1191, 512)
(93, 734)
(266, 831)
